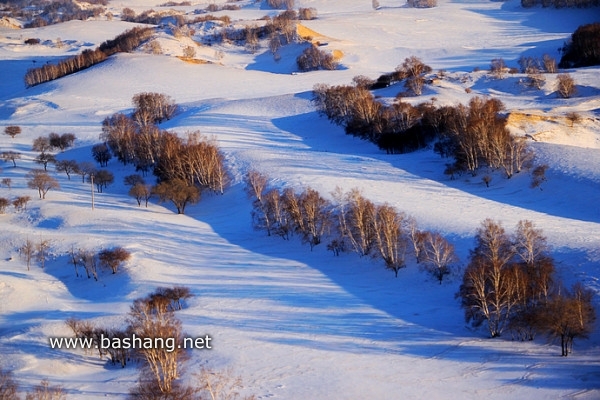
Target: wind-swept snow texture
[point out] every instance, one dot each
(296, 324)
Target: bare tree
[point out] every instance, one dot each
(549, 63)
(42, 145)
(218, 385)
(40, 180)
(67, 166)
(153, 108)
(487, 291)
(102, 179)
(88, 260)
(573, 118)
(10, 156)
(61, 142)
(313, 59)
(498, 68)
(438, 255)
(27, 251)
(251, 38)
(4, 203)
(566, 87)
(101, 154)
(41, 249)
(44, 391)
(179, 192)
(141, 192)
(189, 52)
(538, 176)
(8, 386)
(357, 222)
(307, 13)
(7, 182)
(391, 241)
(569, 315)
(256, 184)
(86, 168)
(20, 203)
(113, 258)
(151, 320)
(134, 179)
(45, 159)
(12, 130)
(315, 211)
(417, 237)
(413, 70)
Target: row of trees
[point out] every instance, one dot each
(474, 135)
(351, 223)
(509, 283)
(125, 42)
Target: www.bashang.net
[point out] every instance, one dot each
(132, 342)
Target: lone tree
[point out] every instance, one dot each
(151, 318)
(40, 180)
(12, 130)
(42, 145)
(101, 154)
(11, 156)
(4, 203)
(102, 179)
(141, 192)
(569, 315)
(179, 192)
(45, 159)
(438, 255)
(61, 142)
(114, 258)
(68, 167)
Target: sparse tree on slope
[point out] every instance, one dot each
(179, 192)
(40, 180)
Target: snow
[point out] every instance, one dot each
(293, 323)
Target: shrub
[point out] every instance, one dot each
(307, 13)
(313, 59)
(565, 86)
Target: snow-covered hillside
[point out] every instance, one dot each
(296, 324)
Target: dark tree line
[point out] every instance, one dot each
(509, 284)
(55, 12)
(583, 50)
(561, 3)
(125, 42)
(474, 135)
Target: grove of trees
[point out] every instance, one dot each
(509, 284)
(475, 135)
(182, 167)
(125, 42)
